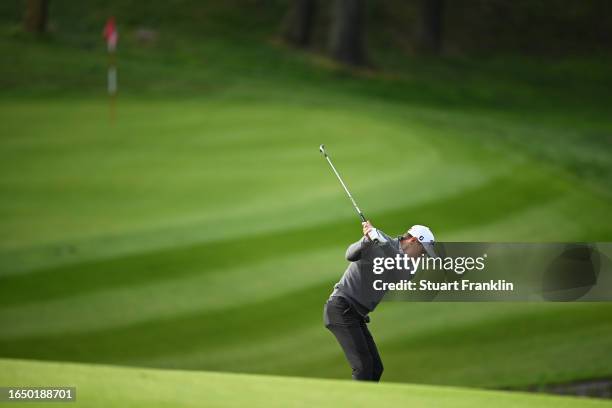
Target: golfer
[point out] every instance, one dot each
(346, 312)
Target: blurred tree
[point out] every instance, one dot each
(36, 15)
(429, 28)
(347, 34)
(299, 21)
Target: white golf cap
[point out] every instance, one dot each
(425, 237)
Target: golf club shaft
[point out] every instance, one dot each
(348, 193)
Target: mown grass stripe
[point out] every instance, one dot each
(496, 199)
(103, 386)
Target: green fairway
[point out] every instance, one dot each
(202, 229)
(134, 234)
(103, 386)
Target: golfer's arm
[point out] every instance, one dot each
(386, 236)
(353, 252)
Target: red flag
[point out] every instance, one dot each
(111, 34)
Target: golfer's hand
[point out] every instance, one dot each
(372, 233)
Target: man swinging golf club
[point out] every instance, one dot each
(346, 313)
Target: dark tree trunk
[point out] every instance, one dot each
(298, 24)
(429, 32)
(35, 18)
(347, 36)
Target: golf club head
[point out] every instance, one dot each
(322, 149)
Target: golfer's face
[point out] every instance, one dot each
(412, 247)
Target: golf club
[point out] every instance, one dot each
(348, 193)
(374, 235)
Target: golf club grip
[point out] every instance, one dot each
(363, 219)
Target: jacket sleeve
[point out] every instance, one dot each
(353, 252)
(387, 237)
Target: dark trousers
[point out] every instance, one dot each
(352, 333)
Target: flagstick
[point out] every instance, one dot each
(111, 36)
(112, 84)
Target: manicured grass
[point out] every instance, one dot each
(103, 386)
(202, 229)
(206, 234)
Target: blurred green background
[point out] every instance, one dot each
(200, 229)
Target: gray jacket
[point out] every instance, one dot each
(357, 282)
